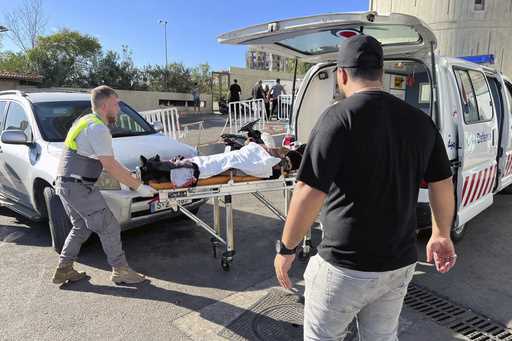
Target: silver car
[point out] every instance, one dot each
(34, 126)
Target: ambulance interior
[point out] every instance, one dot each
(406, 79)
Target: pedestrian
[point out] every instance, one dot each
(234, 92)
(275, 92)
(257, 91)
(87, 151)
(196, 97)
(266, 98)
(364, 162)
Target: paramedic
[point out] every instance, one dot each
(87, 151)
(364, 162)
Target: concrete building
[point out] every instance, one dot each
(462, 27)
(260, 60)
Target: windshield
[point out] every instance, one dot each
(55, 118)
(327, 41)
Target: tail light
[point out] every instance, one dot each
(288, 141)
(423, 184)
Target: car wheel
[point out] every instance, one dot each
(457, 233)
(58, 219)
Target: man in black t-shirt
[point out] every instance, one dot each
(364, 162)
(234, 92)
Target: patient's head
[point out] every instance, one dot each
(150, 169)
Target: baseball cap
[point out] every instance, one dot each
(360, 51)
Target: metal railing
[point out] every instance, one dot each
(284, 107)
(169, 117)
(243, 112)
(189, 133)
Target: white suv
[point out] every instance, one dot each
(34, 126)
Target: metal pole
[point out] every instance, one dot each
(293, 89)
(166, 61)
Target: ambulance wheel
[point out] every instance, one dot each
(457, 233)
(58, 220)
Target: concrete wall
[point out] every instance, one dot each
(7, 84)
(247, 78)
(147, 100)
(460, 29)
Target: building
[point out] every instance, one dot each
(13, 80)
(260, 60)
(462, 27)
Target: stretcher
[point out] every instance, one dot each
(224, 192)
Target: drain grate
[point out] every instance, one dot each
(459, 319)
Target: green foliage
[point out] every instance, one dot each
(15, 62)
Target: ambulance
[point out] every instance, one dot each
(470, 104)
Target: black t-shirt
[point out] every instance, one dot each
(369, 153)
(234, 92)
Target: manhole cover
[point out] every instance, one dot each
(281, 323)
(278, 316)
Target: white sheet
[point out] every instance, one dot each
(251, 159)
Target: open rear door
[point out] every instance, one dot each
(316, 38)
(478, 144)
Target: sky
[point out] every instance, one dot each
(192, 29)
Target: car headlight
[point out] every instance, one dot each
(107, 182)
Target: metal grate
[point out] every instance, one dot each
(459, 319)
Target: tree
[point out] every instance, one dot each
(202, 76)
(26, 23)
(14, 62)
(64, 58)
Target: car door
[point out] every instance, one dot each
(478, 143)
(506, 141)
(3, 178)
(17, 160)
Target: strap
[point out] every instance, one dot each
(77, 128)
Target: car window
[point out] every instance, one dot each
(483, 95)
(3, 105)
(495, 86)
(467, 95)
(55, 118)
(17, 119)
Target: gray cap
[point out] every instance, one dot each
(360, 51)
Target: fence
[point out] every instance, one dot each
(189, 133)
(284, 107)
(243, 112)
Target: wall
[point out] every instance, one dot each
(8, 84)
(148, 100)
(461, 30)
(247, 78)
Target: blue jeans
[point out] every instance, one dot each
(335, 295)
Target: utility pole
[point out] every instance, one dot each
(164, 22)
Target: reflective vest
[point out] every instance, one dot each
(71, 163)
(77, 128)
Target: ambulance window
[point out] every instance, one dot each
(467, 96)
(483, 95)
(497, 98)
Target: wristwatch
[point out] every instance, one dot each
(283, 250)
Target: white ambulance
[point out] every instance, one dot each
(470, 104)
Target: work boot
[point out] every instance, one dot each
(126, 275)
(66, 273)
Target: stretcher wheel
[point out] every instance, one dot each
(225, 264)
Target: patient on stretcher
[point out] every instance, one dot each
(251, 162)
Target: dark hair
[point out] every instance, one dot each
(367, 74)
(236, 81)
(278, 80)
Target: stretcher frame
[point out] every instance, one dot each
(224, 192)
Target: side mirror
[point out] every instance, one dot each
(15, 136)
(158, 126)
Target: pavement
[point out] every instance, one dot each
(190, 297)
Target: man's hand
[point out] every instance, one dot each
(441, 251)
(282, 264)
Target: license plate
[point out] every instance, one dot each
(164, 205)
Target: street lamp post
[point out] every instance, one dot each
(164, 22)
